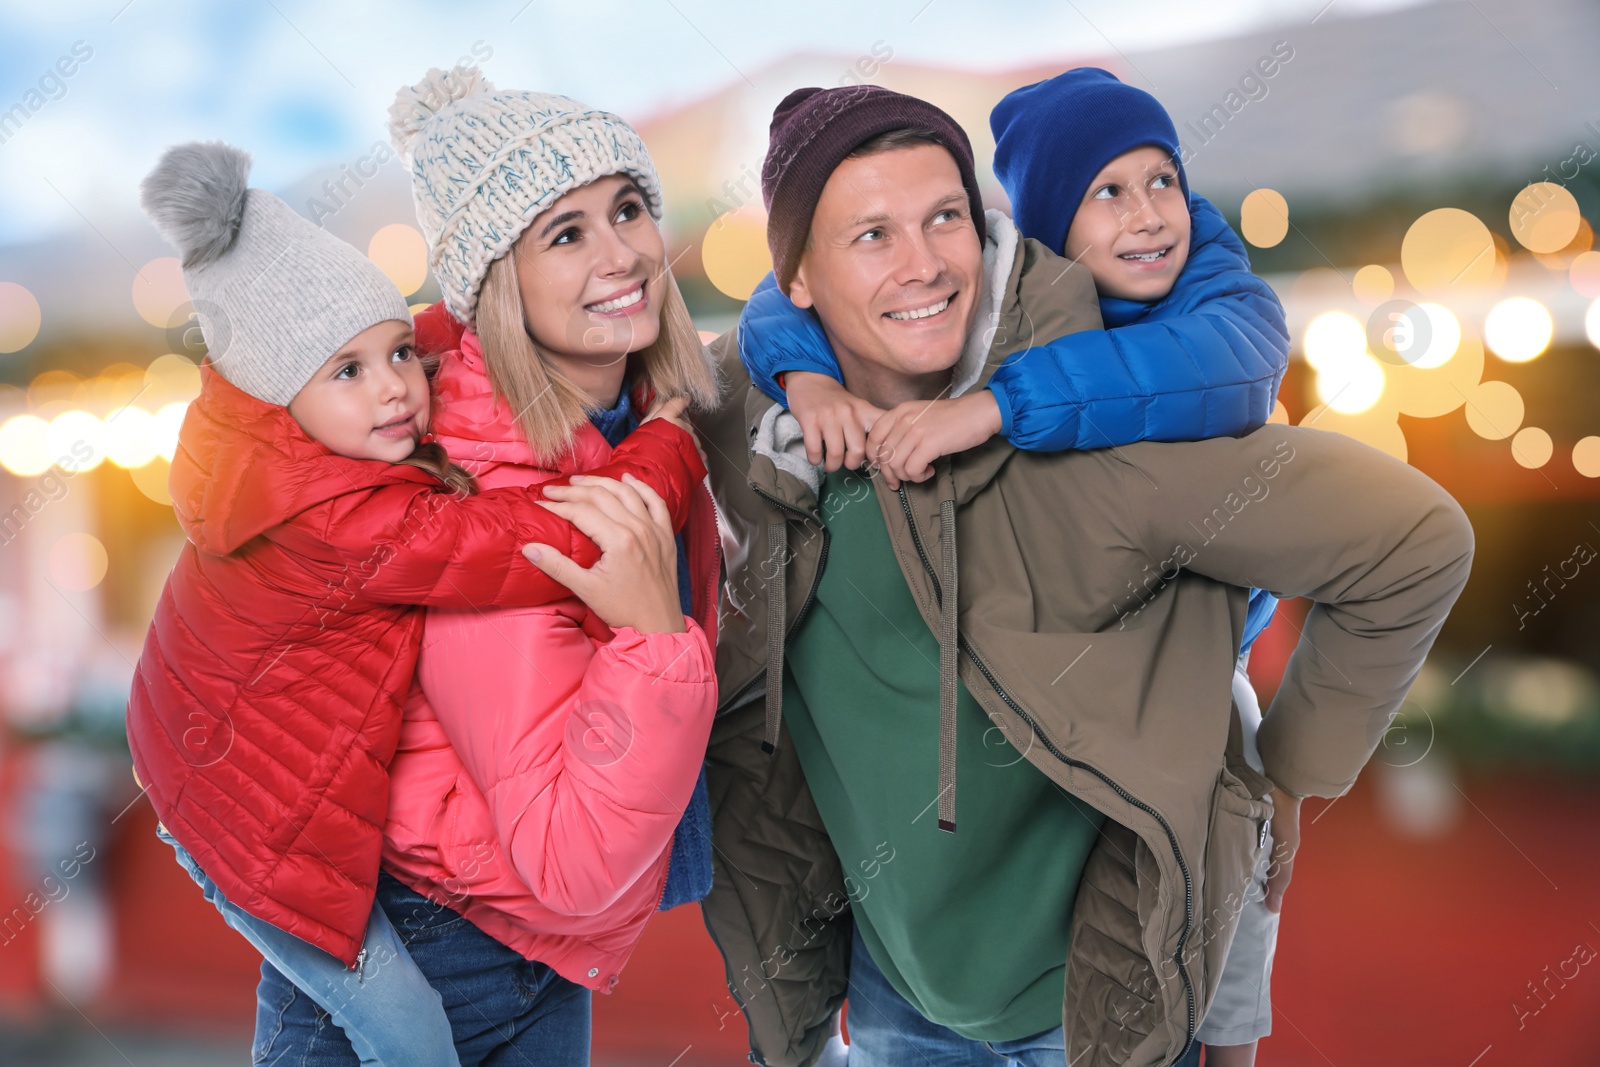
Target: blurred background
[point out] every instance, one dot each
(1417, 180)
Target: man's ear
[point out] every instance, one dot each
(799, 291)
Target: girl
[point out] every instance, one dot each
(318, 511)
(547, 791)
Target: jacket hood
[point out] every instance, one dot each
(477, 428)
(244, 466)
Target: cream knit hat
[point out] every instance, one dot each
(275, 295)
(484, 163)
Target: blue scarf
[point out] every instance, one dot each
(689, 868)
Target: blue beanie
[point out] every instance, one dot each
(1052, 138)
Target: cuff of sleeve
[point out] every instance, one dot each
(1004, 402)
(681, 657)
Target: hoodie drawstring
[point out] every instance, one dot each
(949, 653)
(777, 608)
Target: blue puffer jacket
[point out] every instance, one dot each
(1205, 361)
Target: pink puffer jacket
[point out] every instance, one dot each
(544, 760)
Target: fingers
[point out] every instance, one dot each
(660, 514)
(670, 408)
(811, 430)
(1282, 870)
(855, 444)
(559, 567)
(833, 439)
(615, 499)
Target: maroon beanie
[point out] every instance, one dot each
(813, 130)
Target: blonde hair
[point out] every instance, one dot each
(432, 457)
(549, 407)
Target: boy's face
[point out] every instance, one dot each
(1132, 229)
(893, 266)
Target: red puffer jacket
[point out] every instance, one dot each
(267, 701)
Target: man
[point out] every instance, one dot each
(1054, 632)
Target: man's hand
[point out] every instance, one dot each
(1285, 846)
(834, 420)
(907, 439)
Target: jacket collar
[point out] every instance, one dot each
(477, 427)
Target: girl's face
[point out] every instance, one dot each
(370, 399)
(1132, 229)
(590, 271)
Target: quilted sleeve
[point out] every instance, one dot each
(416, 544)
(1204, 362)
(776, 337)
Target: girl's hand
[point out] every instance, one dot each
(672, 409)
(905, 442)
(834, 420)
(635, 581)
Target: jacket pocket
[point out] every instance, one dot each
(1234, 841)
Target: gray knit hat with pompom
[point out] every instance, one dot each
(486, 162)
(275, 295)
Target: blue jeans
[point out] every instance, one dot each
(886, 1031)
(386, 1009)
(503, 1010)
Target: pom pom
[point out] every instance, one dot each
(195, 197)
(416, 104)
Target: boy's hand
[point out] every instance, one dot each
(906, 441)
(1285, 845)
(834, 420)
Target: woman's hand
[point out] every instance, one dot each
(834, 420)
(635, 581)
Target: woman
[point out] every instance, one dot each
(546, 794)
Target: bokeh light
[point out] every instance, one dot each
(19, 317)
(1494, 410)
(1585, 274)
(129, 436)
(1351, 386)
(1518, 329)
(1544, 217)
(1586, 457)
(400, 251)
(1428, 392)
(151, 480)
(169, 419)
(158, 291)
(1591, 323)
(1447, 249)
(1264, 218)
(1532, 447)
(1372, 285)
(75, 441)
(1333, 338)
(23, 448)
(169, 378)
(77, 561)
(735, 252)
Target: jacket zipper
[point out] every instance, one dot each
(1172, 839)
(811, 594)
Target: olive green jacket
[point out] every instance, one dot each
(1093, 604)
